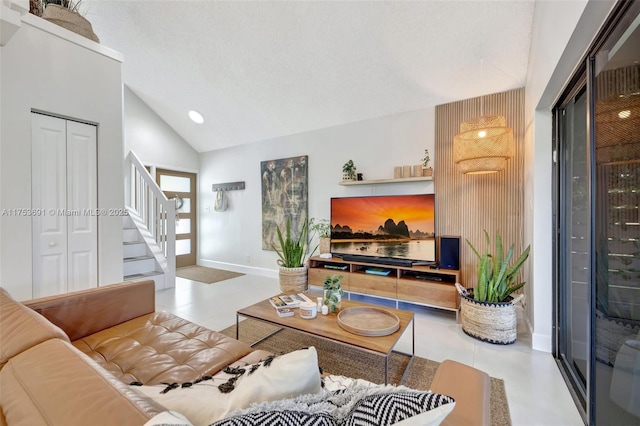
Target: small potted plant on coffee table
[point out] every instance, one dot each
(332, 287)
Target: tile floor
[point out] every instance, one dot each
(536, 392)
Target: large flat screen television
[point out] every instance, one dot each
(384, 227)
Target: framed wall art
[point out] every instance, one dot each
(284, 197)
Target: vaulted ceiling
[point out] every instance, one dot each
(257, 70)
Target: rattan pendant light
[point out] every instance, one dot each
(484, 145)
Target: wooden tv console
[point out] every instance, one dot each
(413, 284)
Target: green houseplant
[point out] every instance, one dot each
(426, 170)
(322, 227)
(292, 253)
(349, 171)
(332, 287)
(488, 310)
(496, 279)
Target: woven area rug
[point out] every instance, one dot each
(341, 360)
(205, 275)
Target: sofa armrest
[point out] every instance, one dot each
(470, 387)
(82, 313)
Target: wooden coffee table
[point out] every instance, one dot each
(326, 327)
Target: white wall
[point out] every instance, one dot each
(151, 138)
(562, 33)
(35, 74)
(233, 238)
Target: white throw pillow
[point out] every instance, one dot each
(287, 376)
(168, 418)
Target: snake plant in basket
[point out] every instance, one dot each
(292, 253)
(488, 310)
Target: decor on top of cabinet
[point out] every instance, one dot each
(349, 171)
(65, 13)
(488, 310)
(426, 170)
(323, 228)
(332, 287)
(292, 253)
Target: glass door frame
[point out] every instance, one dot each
(191, 258)
(619, 20)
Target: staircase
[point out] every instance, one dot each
(149, 232)
(139, 262)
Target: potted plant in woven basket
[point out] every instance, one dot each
(292, 253)
(65, 14)
(488, 310)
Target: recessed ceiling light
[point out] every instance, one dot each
(196, 117)
(624, 114)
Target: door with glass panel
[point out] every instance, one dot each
(181, 186)
(598, 227)
(574, 242)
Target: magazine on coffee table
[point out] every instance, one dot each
(288, 300)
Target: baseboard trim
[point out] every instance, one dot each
(541, 342)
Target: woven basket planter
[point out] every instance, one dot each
(293, 280)
(70, 20)
(492, 322)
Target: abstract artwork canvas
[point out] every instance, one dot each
(284, 197)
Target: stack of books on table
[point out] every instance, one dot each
(285, 303)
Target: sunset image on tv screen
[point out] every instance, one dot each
(368, 214)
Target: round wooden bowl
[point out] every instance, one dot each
(368, 321)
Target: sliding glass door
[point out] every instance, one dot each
(574, 241)
(598, 226)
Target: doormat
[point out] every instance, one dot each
(341, 360)
(205, 275)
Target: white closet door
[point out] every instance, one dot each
(64, 182)
(82, 201)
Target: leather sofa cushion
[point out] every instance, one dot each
(53, 383)
(161, 348)
(84, 312)
(22, 328)
(470, 387)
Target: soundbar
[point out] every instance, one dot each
(381, 260)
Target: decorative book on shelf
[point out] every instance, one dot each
(377, 271)
(337, 267)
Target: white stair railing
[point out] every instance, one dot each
(153, 214)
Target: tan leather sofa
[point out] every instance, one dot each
(67, 359)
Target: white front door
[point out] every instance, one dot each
(64, 203)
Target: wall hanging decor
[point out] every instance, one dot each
(284, 197)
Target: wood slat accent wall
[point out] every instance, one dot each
(467, 204)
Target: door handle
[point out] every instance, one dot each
(52, 243)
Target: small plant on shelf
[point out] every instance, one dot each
(426, 170)
(426, 159)
(322, 227)
(349, 171)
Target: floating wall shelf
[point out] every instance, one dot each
(383, 181)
